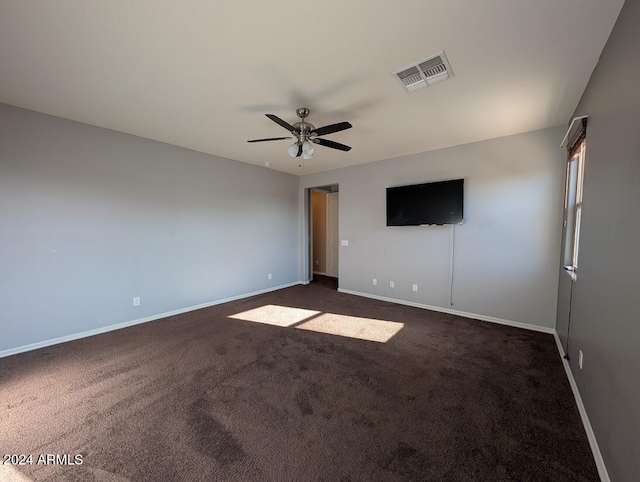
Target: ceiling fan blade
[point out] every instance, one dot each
(284, 124)
(270, 139)
(299, 150)
(331, 128)
(332, 144)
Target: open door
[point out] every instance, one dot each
(333, 234)
(310, 233)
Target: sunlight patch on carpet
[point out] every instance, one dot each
(368, 329)
(275, 315)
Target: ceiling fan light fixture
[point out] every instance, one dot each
(293, 150)
(307, 150)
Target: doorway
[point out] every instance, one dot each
(324, 235)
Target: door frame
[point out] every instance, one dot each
(307, 260)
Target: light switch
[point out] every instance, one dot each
(344, 242)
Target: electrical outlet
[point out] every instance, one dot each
(580, 358)
(392, 284)
(374, 281)
(270, 276)
(414, 287)
(136, 301)
(317, 263)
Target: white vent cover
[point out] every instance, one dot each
(426, 72)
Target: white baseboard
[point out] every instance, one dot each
(593, 443)
(118, 326)
(491, 319)
(320, 273)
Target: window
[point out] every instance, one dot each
(573, 205)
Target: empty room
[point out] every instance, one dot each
(351, 241)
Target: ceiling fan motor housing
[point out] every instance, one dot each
(303, 128)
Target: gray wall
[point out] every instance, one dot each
(90, 218)
(507, 251)
(605, 323)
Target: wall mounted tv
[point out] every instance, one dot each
(430, 203)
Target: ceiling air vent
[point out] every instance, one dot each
(426, 72)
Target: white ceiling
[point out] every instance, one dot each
(202, 74)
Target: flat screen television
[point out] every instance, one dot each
(430, 203)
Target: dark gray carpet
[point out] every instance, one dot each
(325, 281)
(205, 397)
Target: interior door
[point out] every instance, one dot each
(310, 233)
(333, 234)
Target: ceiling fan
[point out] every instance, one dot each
(306, 134)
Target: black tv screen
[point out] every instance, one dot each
(429, 203)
